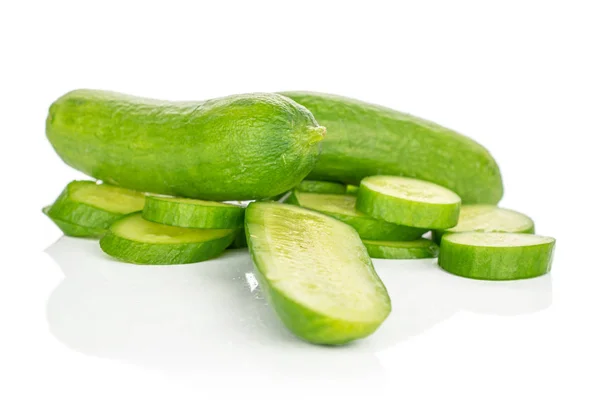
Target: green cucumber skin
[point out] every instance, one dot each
(352, 189)
(191, 215)
(421, 248)
(321, 187)
(365, 139)
(239, 147)
(370, 228)
(74, 230)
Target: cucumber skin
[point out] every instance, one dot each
(75, 230)
(321, 187)
(365, 139)
(233, 148)
(376, 250)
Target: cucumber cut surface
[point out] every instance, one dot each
(74, 230)
(133, 239)
(321, 187)
(414, 249)
(342, 207)
(192, 213)
(408, 201)
(316, 273)
(496, 256)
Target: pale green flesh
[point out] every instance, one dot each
(411, 189)
(401, 244)
(333, 203)
(497, 239)
(107, 197)
(137, 229)
(488, 218)
(207, 203)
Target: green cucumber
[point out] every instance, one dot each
(91, 205)
(352, 189)
(134, 240)
(420, 248)
(321, 187)
(342, 207)
(365, 139)
(239, 242)
(316, 273)
(496, 256)
(408, 201)
(488, 218)
(192, 213)
(75, 230)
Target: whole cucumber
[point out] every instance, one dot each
(365, 139)
(239, 147)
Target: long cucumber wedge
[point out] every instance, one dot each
(74, 230)
(366, 139)
(342, 207)
(134, 240)
(321, 187)
(409, 202)
(316, 273)
(414, 249)
(496, 256)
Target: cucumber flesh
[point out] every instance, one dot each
(74, 230)
(408, 201)
(192, 213)
(342, 207)
(321, 187)
(496, 256)
(133, 239)
(316, 273)
(420, 248)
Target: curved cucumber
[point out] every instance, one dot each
(496, 256)
(74, 230)
(409, 202)
(321, 187)
(191, 213)
(134, 240)
(365, 139)
(91, 205)
(420, 248)
(316, 273)
(342, 207)
(239, 147)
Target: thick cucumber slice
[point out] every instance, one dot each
(91, 205)
(316, 273)
(133, 239)
(74, 230)
(496, 256)
(408, 201)
(488, 218)
(342, 207)
(191, 213)
(420, 248)
(321, 187)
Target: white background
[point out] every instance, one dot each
(521, 77)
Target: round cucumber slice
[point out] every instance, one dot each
(408, 201)
(342, 207)
(74, 230)
(133, 239)
(321, 187)
(192, 213)
(496, 256)
(420, 248)
(316, 273)
(92, 205)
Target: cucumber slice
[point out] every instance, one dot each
(488, 218)
(133, 239)
(321, 187)
(342, 207)
(74, 230)
(408, 201)
(316, 273)
(239, 242)
(91, 205)
(192, 213)
(420, 248)
(351, 189)
(496, 256)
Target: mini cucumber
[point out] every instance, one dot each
(488, 218)
(134, 240)
(91, 205)
(408, 201)
(192, 213)
(342, 207)
(321, 187)
(420, 248)
(316, 273)
(496, 256)
(74, 230)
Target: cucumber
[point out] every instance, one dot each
(74, 230)
(134, 240)
(352, 189)
(316, 273)
(96, 206)
(365, 139)
(420, 248)
(239, 242)
(342, 207)
(248, 146)
(408, 201)
(488, 218)
(496, 256)
(321, 187)
(192, 213)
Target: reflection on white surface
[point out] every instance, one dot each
(211, 316)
